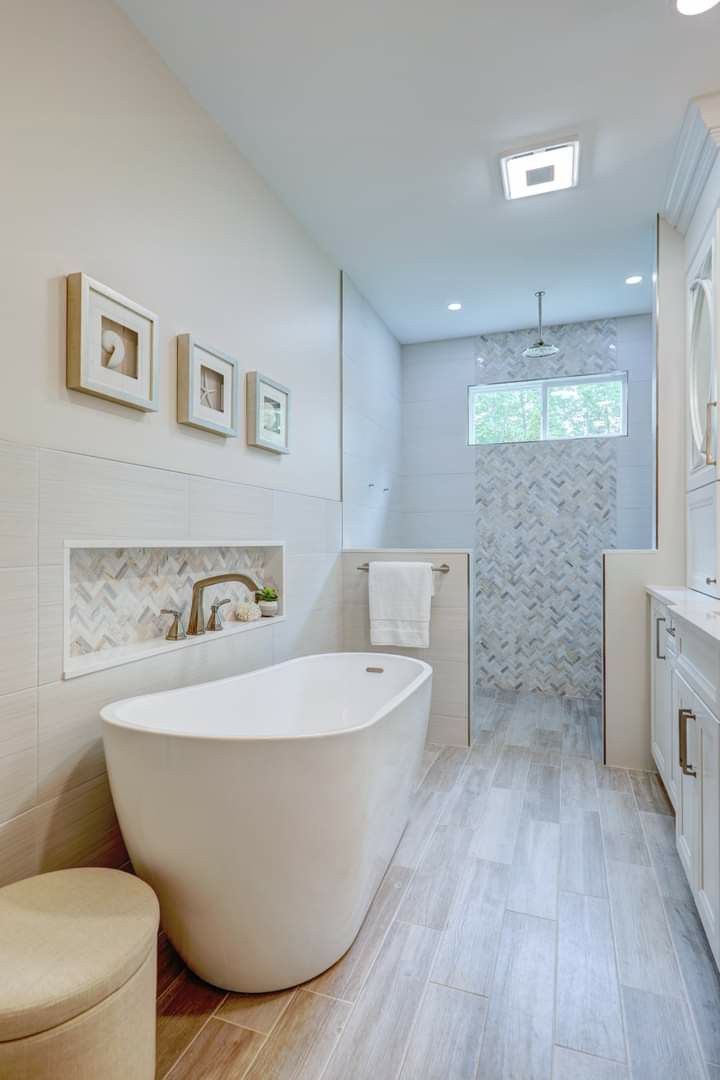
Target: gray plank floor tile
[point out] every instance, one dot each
(661, 1042)
(645, 952)
(495, 836)
(570, 1065)
(534, 875)
(659, 830)
(446, 768)
(512, 768)
(425, 811)
(576, 738)
(701, 976)
(578, 790)
(345, 978)
(446, 1036)
(650, 793)
(589, 1014)
(619, 814)
(542, 794)
(612, 778)
(376, 1034)
(431, 891)
(466, 805)
(469, 945)
(624, 848)
(582, 861)
(519, 1027)
(670, 875)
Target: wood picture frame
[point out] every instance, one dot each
(112, 345)
(208, 388)
(268, 414)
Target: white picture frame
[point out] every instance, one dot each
(268, 414)
(208, 388)
(112, 345)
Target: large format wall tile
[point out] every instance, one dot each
(18, 629)
(18, 505)
(85, 498)
(18, 753)
(222, 511)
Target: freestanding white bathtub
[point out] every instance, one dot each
(265, 808)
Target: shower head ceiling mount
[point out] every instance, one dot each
(540, 348)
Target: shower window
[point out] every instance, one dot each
(574, 407)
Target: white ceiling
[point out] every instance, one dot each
(379, 124)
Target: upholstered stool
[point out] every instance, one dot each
(77, 977)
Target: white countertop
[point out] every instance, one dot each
(702, 612)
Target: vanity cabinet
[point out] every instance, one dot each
(685, 738)
(703, 366)
(702, 537)
(661, 640)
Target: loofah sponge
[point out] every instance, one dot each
(247, 612)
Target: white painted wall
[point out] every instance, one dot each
(111, 168)
(372, 407)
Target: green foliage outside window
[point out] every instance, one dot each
(548, 409)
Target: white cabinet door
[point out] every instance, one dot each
(708, 869)
(702, 365)
(661, 709)
(686, 706)
(702, 533)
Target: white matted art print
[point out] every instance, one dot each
(268, 414)
(112, 345)
(207, 388)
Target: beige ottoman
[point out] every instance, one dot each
(77, 977)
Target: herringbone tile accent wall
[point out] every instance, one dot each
(544, 514)
(116, 594)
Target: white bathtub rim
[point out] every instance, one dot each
(109, 713)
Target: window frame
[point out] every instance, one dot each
(543, 385)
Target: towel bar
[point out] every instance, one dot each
(444, 569)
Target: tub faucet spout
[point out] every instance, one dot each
(196, 623)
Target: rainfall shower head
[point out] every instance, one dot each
(540, 348)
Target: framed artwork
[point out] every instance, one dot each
(268, 413)
(207, 388)
(112, 345)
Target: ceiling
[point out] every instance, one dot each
(380, 123)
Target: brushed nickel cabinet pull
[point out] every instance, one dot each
(658, 620)
(709, 459)
(683, 716)
(711, 581)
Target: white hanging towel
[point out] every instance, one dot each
(400, 594)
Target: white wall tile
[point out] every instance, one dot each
(319, 631)
(90, 498)
(18, 629)
(221, 510)
(18, 753)
(18, 505)
(436, 494)
(307, 525)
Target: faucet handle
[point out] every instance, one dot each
(176, 631)
(215, 620)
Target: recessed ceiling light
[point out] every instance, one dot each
(455, 307)
(539, 170)
(634, 279)
(695, 7)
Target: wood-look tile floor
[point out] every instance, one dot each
(535, 924)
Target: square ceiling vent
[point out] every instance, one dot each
(543, 169)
